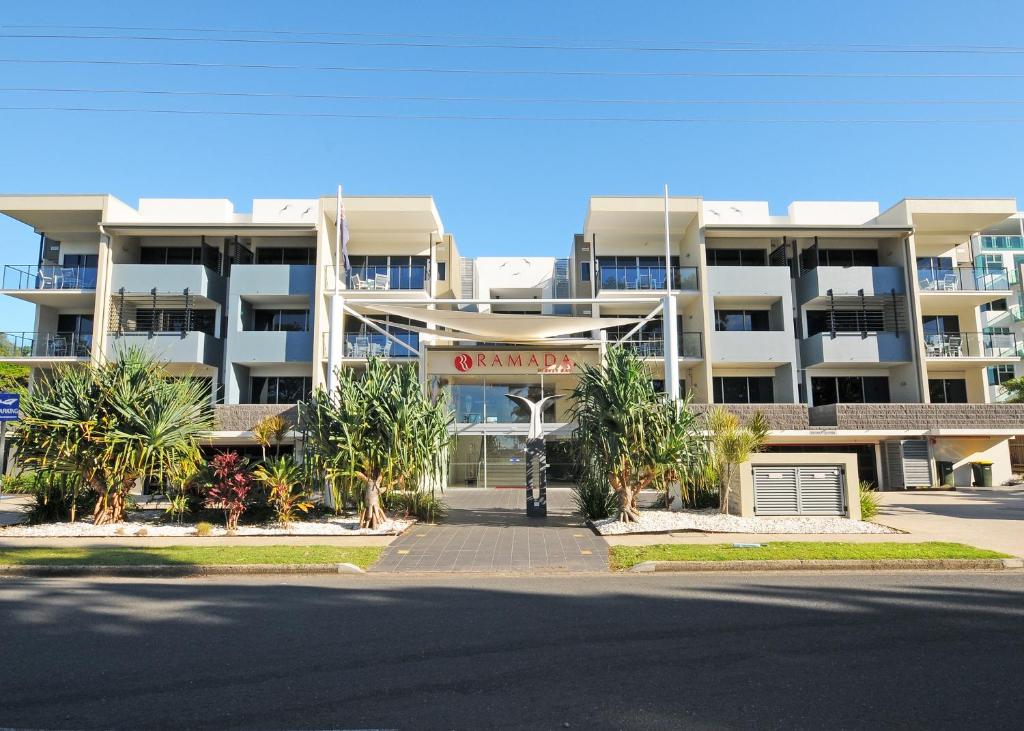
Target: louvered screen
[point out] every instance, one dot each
(775, 491)
(820, 490)
(917, 465)
(893, 465)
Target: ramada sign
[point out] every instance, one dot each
(546, 362)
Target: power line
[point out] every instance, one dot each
(511, 100)
(516, 118)
(525, 72)
(546, 42)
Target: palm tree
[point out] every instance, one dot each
(731, 443)
(381, 429)
(112, 424)
(630, 435)
(270, 430)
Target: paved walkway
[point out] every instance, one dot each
(488, 531)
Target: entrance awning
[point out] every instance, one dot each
(498, 326)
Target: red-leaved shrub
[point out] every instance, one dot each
(230, 488)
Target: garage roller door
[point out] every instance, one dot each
(792, 490)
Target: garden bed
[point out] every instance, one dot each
(712, 521)
(333, 526)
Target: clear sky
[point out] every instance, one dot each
(514, 186)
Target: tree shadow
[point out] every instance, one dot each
(779, 651)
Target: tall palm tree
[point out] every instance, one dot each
(731, 443)
(380, 428)
(629, 434)
(114, 423)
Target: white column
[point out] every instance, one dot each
(335, 339)
(671, 342)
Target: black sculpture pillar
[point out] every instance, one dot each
(536, 507)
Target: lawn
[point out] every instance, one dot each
(622, 557)
(362, 556)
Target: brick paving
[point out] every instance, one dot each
(488, 531)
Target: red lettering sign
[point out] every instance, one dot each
(464, 362)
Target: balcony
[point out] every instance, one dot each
(691, 346)
(192, 348)
(767, 348)
(259, 347)
(403, 279)
(50, 284)
(855, 349)
(256, 280)
(959, 346)
(201, 282)
(750, 282)
(28, 347)
(644, 279)
(981, 284)
(817, 283)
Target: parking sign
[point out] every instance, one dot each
(10, 403)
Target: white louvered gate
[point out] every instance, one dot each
(792, 490)
(907, 463)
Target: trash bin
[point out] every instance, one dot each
(945, 473)
(982, 472)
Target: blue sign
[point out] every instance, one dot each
(9, 405)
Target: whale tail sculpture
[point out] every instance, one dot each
(536, 505)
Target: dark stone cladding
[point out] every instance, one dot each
(242, 417)
(919, 416)
(781, 417)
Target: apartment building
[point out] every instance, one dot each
(857, 330)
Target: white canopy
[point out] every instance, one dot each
(499, 326)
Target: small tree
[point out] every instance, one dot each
(731, 443)
(230, 488)
(281, 477)
(1014, 389)
(270, 430)
(380, 428)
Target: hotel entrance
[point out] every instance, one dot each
(490, 430)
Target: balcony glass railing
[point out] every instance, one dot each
(45, 345)
(383, 277)
(690, 346)
(375, 344)
(971, 345)
(963, 279)
(640, 278)
(48, 276)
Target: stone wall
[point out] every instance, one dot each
(919, 416)
(242, 417)
(780, 416)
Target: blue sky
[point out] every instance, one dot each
(513, 187)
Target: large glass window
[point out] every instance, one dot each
(165, 321)
(741, 320)
(279, 389)
(743, 389)
(947, 390)
(388, 272)
(940, 324)
(479, 401)
(847, 258)
(819, 321)
(737, 257)
(362, 341)
(1002, 242)
(286, 255)
(850, 390)
(171, 255)
(281, 320)
(999, 374)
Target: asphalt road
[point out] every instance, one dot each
(742, 651)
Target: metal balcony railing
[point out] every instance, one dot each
(963, 279)
(46, 345)
(381, 278)
(691, 345)
(642, 278)
(971, 345)
(48, 276)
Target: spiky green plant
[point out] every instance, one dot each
(282, 476)
(270, 430)
(730, 444)
(628, 434)
(379, 427)
(112, 424)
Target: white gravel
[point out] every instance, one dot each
(340, 526)
(711, 521)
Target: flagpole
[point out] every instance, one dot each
(334, 309)
(670, 336)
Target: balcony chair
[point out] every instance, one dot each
(58, 346)
(644, 281)
(381, 281)
(376, 349)
(69, 278)
(954, 346)
(934, 346)
(361, 346)
(949, 283)
(49, 277)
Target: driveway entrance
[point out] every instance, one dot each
(488, 531)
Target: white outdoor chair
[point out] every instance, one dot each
(376, 349)
(381, 281)
(49, 277)
(644, 281)
(949, 283)
(386, 349)
(69, 278)
(361, 346)
(356, 282)
(933, 346)
(58, 346)
(954, 346)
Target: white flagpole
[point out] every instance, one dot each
(668, 322)
(333, 318)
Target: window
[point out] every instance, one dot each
(737, 258)
(850, 390)
(281, 320)
(947, 390)
(279, 389)
(585, 271)
(989, 261)
(997, 375)
(1002, 242)
(402, 272)
(166, 321)
(821, 321)
(940, 324)
(286, 255)
(442, 271)
(997, 306)
(847, 258)
(171, 255)
(743, 389)
(362, 341)
(659, 385)
(81, 260)
(741, 320)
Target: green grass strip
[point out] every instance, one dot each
(622, 557)
(362, 556)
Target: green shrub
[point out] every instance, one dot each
(594, 498)
(423, 505)
(58, 496)
(203, 529)
(869, 503)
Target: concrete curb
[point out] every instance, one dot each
(929, 564)
(179, 571)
